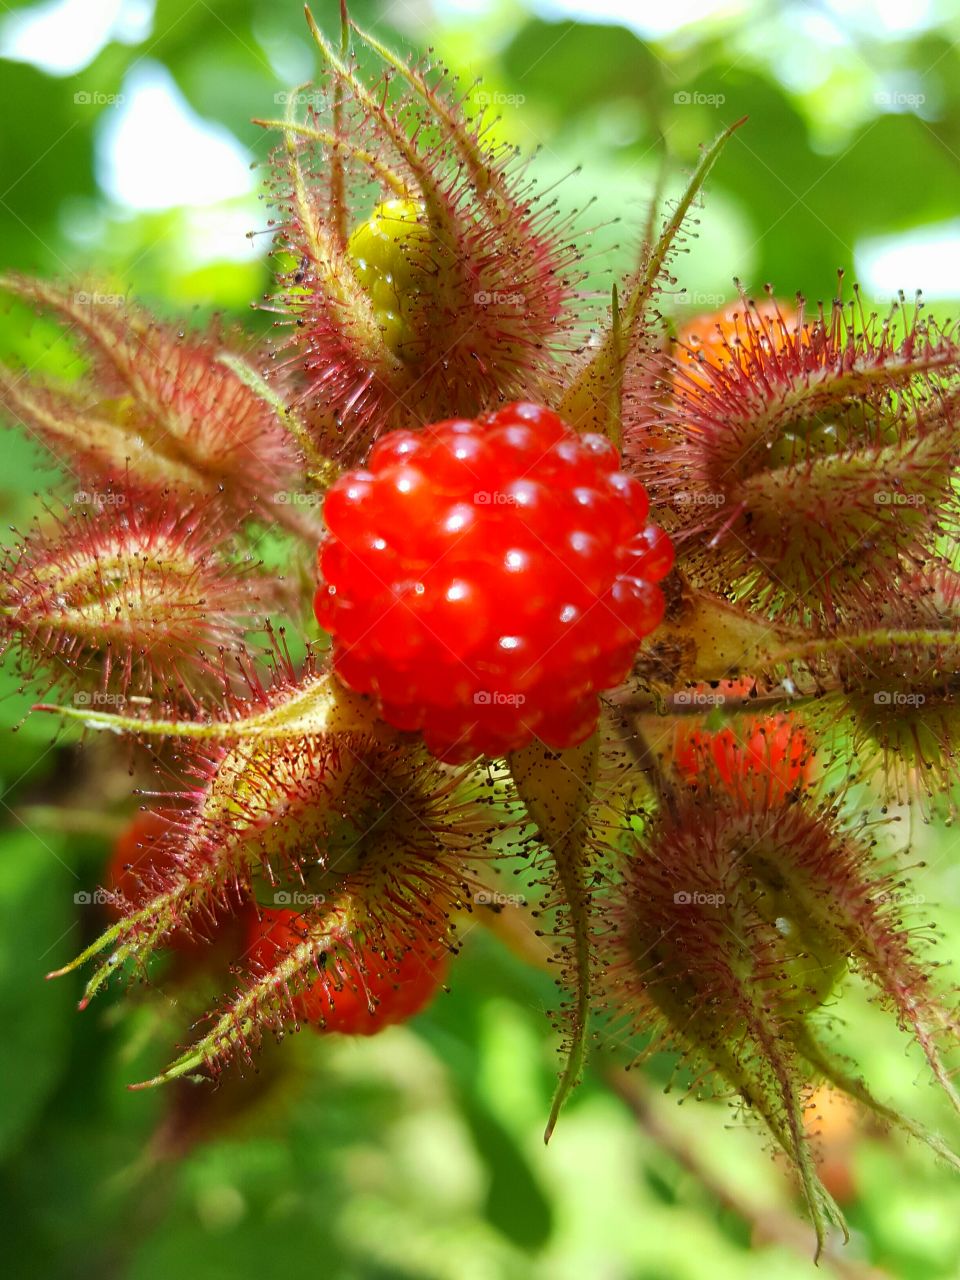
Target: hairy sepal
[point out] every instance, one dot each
(812, 463)
(738, 918)
(130, 594)
(401, 882)
(161, 406)
(361, 829)
(594, 399)
(260, 806)
(826, 536)
(311, 704)
(556, 788)
(893, 683)
(491, 272)
(264, 757)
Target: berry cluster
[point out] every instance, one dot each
(711, 881)
(486, 579)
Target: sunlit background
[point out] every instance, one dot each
(127, 152)
(132, 120)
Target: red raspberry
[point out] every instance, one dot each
(399, 988)
(484, 580)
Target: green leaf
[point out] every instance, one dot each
(36, 912)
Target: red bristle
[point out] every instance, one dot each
(487, 280)
(805, 462)
(127, 593)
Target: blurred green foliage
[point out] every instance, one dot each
(418, 1154)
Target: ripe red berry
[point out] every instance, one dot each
(764, 756)
(144, 860)
(397, 988)
(484, 580)
(714, 338)
(142, 851)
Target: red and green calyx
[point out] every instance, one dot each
(620, 605)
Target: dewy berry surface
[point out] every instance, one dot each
(485, 580)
